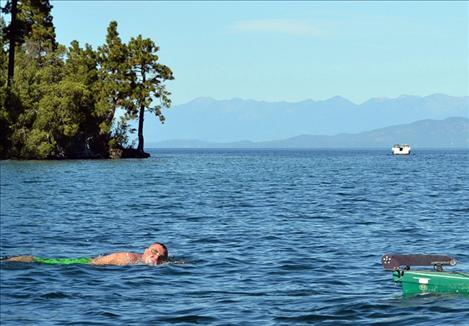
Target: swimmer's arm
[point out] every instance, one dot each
(21, 259)
(118, 259)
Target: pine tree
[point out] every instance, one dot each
(12, 33)
(40, 31)
(147, 79)
(31, 39)
(113, 87)
(32, 84)
(4, 114)
(31, 22)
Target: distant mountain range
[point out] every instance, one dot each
(233, 120)
(447, 133)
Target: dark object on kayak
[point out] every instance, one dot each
(433, 281)
(395, 262)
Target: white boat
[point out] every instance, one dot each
(401, 149)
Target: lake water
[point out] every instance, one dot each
(256, 237)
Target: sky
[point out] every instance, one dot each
(289, 51)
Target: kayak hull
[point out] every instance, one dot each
(414, 282)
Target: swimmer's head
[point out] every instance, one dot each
(156, 254)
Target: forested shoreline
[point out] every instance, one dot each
(65, 102)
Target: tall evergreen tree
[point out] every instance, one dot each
(31, 22)
(4, 115)
(3, 52)
(12, 33)
(81, 75)
(33, 83)
(31, 39)
(113, 87)
(147, 80)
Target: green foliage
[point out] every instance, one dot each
(112, 86)
(3, 38)
(38, 144)
(63, 101)
(120, 134)
(34, 27)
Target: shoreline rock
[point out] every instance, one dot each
(120, 153)
(114, 154)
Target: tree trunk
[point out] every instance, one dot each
(140, 119)
(140, 128)
(13, 36)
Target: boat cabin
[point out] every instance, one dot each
(403, 149)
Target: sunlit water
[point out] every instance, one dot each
(256, 237)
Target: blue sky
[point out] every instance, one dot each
(290, 50)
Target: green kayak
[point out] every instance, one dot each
(433, 281)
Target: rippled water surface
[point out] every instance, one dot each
(256, 237)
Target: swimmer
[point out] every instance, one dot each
(155, 254)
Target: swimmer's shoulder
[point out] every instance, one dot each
(117, 258)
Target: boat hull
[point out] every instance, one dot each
(414, 282)
(400, 149)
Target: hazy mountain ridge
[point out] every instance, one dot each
(231, 120)
(448, 133)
